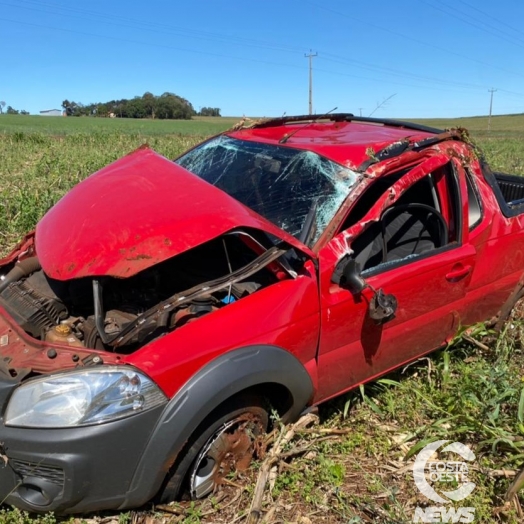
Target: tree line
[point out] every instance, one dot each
(166, 106)
(11, 110)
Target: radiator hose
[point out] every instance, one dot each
(22, 269)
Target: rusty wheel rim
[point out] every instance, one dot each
(229, 449)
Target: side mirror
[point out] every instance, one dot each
(347, 275)
(382, 307)
(351, 278)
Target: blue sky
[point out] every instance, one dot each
(410, 58)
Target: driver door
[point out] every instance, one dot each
(429, 282)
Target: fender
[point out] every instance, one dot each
(219, 380)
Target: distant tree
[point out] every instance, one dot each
(102, 110)
(78, 109)
(66, 105)
(118, 109)
(169, 105)
(24, 112)
(164, 109)
(135, 108)
(2, 105)
(81, 110)
(12, 111)
(149, 102)
(210, 111)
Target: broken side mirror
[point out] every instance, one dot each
(347, 275)
(351, 278)
(382, 307)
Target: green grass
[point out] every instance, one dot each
(478, 125)
(59, 126)
(506, 125)
(463, 393)
(37, 169)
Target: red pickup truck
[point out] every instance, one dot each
(162, 310)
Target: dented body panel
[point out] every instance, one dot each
(152, 220)
(348, 143)
(251, 266)
(288, 312)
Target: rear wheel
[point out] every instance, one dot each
(223, 444)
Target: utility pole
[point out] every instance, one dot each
(360, 109)
(310, 56)
(490, 107)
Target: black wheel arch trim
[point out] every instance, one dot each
(224, 377)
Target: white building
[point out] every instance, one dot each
(51, 112)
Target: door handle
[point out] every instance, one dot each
(458, 272)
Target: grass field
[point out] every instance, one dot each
(349, 465)
(500, 125)
(507, 125)
(60, 126)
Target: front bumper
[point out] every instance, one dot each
(71, 470)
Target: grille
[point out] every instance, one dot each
(29, 469)
(33, 312)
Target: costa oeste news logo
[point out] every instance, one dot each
(430, 475)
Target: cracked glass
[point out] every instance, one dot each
(282, 184)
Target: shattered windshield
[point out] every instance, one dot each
(282, 184)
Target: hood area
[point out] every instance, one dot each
(137, 212)
(48, 324)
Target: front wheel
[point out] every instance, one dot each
(223, 444)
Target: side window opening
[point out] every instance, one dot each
(416, 224)
(422, 192)
(368, 198)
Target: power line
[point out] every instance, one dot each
(310, 56)
(153, 44)
(150, 43)
(268, 62)
(221, 55)
(467, 19)
(367, 23)
(233, 39)
(205, 35)
(491, 17)
(397, 72)
(133, 23)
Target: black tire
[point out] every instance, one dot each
(233, 423)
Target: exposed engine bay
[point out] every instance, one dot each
(121, 315)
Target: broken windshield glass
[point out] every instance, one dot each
(280, 183)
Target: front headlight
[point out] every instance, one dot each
(82, 398)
